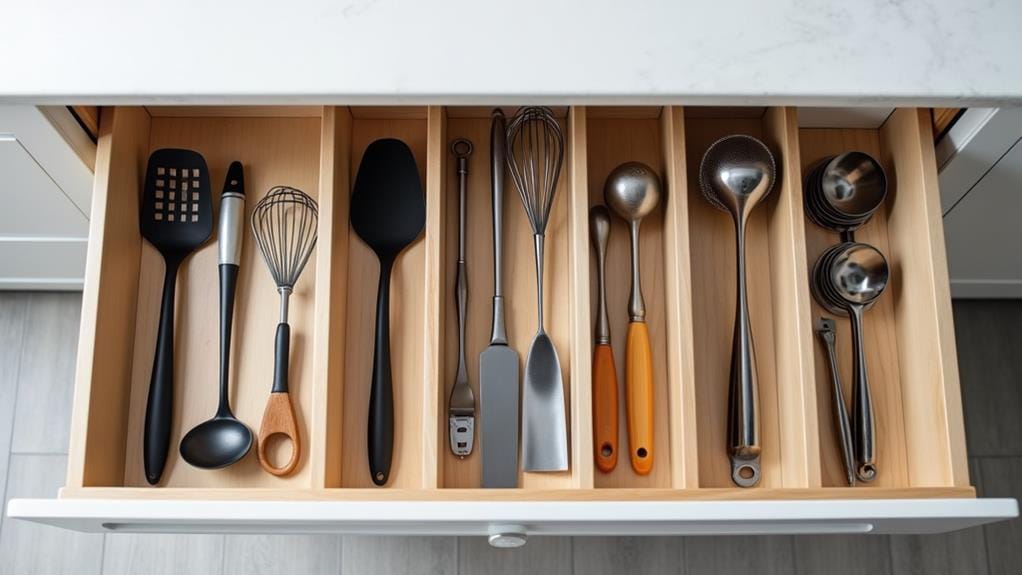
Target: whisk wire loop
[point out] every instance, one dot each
(535, 153)
(284, 224)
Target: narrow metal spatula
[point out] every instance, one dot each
(176, 217)
(498, 363)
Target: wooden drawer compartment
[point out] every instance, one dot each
(688, 281)
(910, 348)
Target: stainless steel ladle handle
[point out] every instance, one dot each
(863, 422)
(743, 392)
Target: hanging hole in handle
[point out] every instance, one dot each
(461, 148)
(745, 473)
(606, 450)
(278, 453)
(641, 452)
(867, 472)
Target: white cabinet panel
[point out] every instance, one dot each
(48, 139)
(45, 197)
(984, 232)
(972, 147)
(33, 204)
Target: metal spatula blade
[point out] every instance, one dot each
(498, 403)
(544, 428)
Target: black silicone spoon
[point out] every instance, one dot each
(388, 212)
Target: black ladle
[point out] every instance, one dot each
(388, 212)
(223, 440)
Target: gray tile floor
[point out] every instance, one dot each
(37, 341)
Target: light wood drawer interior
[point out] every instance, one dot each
(688, 279)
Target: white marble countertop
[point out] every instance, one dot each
(805, 52)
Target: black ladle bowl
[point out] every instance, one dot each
(216, 442)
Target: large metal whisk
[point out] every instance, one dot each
(535, 151)
(284, 225)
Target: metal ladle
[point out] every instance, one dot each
(849, 278)
(632, 190)
(736, 173)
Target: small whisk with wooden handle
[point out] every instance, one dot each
(284, 225)
(535, 151)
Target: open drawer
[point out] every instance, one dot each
(688, 279)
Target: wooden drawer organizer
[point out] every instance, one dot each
(688, 278)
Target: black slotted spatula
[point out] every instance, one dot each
(176, 217)
(388, 212)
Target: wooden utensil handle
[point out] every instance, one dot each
(279, 415)
(279, 419)
(605, 408)
(639, 396)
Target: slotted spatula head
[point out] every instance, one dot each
(387, 207)
(176, 211)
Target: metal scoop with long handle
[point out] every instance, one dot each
(605, 404)
(632, 190)
(535, 150)
(736, 173)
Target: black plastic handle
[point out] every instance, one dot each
(381, 395)
(280, 358)
(228, 286)
(160, 404)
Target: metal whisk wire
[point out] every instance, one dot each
(284, 224)
(535, 152)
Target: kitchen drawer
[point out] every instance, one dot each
(688, 278)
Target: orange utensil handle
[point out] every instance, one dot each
(605, 410)
(639, 397)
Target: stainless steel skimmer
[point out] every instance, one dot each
(736, 173)
(461, 407)
(535, 151)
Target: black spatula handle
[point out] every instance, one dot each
(160, 404)
(381, 395)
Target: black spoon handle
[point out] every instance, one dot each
(230, 233)
(228, 286)
(160, 404)
(281, 349)
(381, 396)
